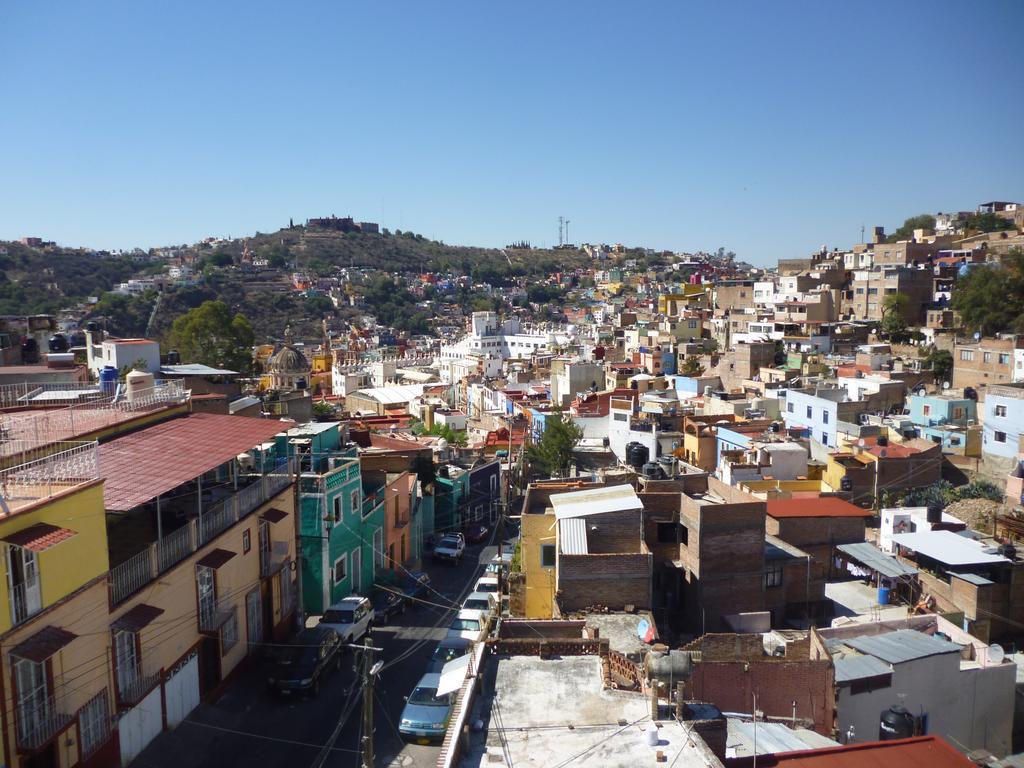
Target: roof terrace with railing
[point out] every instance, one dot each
(39, 477)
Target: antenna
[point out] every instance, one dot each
(561, 227)
(567, 232)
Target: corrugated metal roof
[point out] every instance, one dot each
(859, 667)
(771, 738)
(594, 501)
(195, 369)
(973, 578)
(947, 547)
(870, 556)
(901, 645)
(572, 536)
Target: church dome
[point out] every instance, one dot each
(288, 359)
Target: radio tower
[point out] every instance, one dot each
(561, 226)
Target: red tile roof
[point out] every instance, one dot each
(155, 460)
(918, 752)
(828, 506)
(39, 537)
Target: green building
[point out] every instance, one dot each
(341, 522)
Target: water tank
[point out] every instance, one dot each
(139, 384)
(882, 440)
(934, 514)
(58, 343)
(92, 326)
(883, 595)
(29, 350)
(896, 723)
(652, 471)
(173, 358)
(665, 666)
(637, 454)
(108, 379)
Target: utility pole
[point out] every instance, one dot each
(370, 671)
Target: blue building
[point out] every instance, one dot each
(944, 419)
(484, 491)
(817, 411)
(1003, 422)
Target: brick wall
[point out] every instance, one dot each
(518, 628)
(660, 508)
(730, 686)
(614, 532)
(818, 532)
(612, 580)
(536, 646)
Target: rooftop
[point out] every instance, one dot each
(827, 506)
(594, 501)
(40, 478)
(550, 712)
(947, 548)
(918, 752)
(145, 464)
(770, 738)
(896, 647)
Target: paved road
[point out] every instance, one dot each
(249, 727)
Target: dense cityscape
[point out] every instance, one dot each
(468, 385)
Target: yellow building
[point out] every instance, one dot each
(691, 297)
(53, 618)
(537, 560)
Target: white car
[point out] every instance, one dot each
(351, 618)
(471, 625)
(487, 584)
(481, 601)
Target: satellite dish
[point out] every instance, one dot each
(996, 654)
(861, 443)
(922, 392)
(874, 331)
(945, 385)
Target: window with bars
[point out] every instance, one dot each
(229, 633)
(773, 576)
(94, 724)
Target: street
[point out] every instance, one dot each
(249, 726)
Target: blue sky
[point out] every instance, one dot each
(768, 128)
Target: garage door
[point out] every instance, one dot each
(140, 725)
(182, 689)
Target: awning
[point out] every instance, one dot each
(273, 515)
(216, 558)
(453, 674)
(947, 548)
(139, 467)
(39, 537)
(873, 558)
(136, 618)
(43, 644)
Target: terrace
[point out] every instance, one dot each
(41, 477)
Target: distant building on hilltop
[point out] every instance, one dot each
(344, 224)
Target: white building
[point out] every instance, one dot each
(121, 353)
(500, 341)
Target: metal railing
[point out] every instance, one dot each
(26, 601)
(39, 720)
(133, 574)
(43, 427)
(41, 476)
(94, 724)
(133, 685)
(214, 614)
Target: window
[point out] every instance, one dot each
(229, 633)
(126, 663)
(94, 724)
(1004, 358)
(337, 509)
(872, 291)
(824, 417)
(773, 576)
(810, 412)
(246, 541)
(378, 548)
(967, 354)
(667, 533)
(789, 407)
(824, 437)
(354, 499)
(684, 534)
(621, 417)
(547, 555)
(33, 696)
(860, 291)
(986, 357)
(1000, 437)
(340, 569)
(999, 410)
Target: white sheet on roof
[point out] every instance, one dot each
(389, 395)
(594, 501)
(947, 547)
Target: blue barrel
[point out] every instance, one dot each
(108, 379)
(883, 595)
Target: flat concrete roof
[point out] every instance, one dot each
(550, 712)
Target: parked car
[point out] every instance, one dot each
(471, 625)
(426, 715)
(477, 534)
(299, 666)
(416, 584)
(450, 548)
(447, 650)
(487, 583)
(386, 603)
(481, 601)
(351, 618)
(499, 563)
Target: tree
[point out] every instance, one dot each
(553, 452)
(692, 366)
(323, 411)
(922, 221)
(939, 360)
(209, 335)
(990, 298)
(894, 318)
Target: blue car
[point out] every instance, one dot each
(426, 715)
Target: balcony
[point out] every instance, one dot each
(274, 559)
(134, 573)
(39, 720)
(133, 685)
(41, 475)
(26, 601)
(214, 614)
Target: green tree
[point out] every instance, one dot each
(922, 221)
(692, 366)
(894, 318)
(209, 335)
(553, 452)
(939, 360)
(990, 298)
(323, 411)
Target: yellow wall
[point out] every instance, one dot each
(772, 489)
(540, 581)
(68, 565)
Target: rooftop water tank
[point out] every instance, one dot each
(896, 723)
(140, 384)
(637, 454)
(108, 379)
